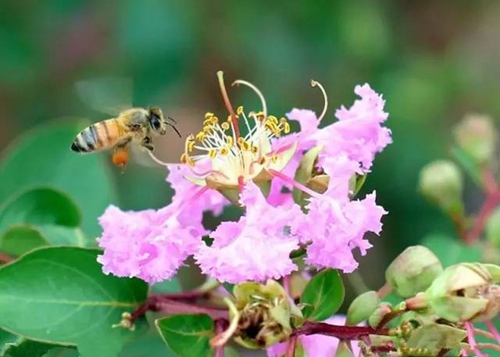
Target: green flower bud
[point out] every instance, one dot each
(362, 308)
(264, 312)
(476, 135)
(460, 293)
(442, 182)
(413, 271)
(376, 318)
(492, 228)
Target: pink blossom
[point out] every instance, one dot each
(256, 248)
(211, 200)
(315, 345)
(358, 133)
(332, 229)
(150, 245)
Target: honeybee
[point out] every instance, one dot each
(134, 126)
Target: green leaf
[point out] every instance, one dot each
(26, 348)
(5, 338)
(167, 286)
(325, 293)
(450, 250)
(42, 157)
(52, 213)
(304, 171)
(39, 206)
(148, 345)
(62, 352)
(18, 240)
(187, 335)
(60, 295)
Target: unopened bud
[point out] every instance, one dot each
(413, 271)
(362, 307)
(378, 315)
(476, 135)
(458, 293)
(492, 228)
(442, 182)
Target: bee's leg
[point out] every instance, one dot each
(135, 127)
(121, 155)
(147, 142)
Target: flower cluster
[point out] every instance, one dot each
(296, 190)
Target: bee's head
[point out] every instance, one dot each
(159, 123)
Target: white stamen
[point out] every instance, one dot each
(325, 107)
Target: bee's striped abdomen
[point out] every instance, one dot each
(99, 136)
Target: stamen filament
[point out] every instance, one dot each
(229, 107)
(258, 126)
(325, 107)
(294, 183)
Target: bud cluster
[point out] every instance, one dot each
(436, 305)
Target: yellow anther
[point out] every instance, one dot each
(209, 115)
(212, 153)
(230, 141)
(260, 116)
(200, 136)
(224, 151)
(286, 127)
(262, 160)
(225, 126)
(190, 145)
(274, 158)
(255, 149)
(272, 119)
(185, 159)
(239, 110)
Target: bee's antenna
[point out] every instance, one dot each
(173, 125)
(177, 131)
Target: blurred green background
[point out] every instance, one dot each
(433, 62)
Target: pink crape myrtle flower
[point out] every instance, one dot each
(255, 248)
(358, 133)
(226, 160)
(150, 245)
(211, 200)
(315, 345)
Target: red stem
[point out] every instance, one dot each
(340, 332)
(171, 306)
(492, 192)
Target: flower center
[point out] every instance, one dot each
(236, 156)
(238, 153)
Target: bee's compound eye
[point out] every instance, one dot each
(155, 122)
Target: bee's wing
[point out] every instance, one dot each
(109, 95)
